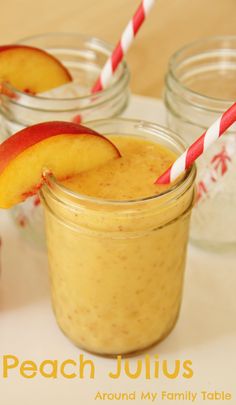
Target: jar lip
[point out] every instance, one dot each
(124, 76)
(52, 185)
(173, 64)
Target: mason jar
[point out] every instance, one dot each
(200, 86)
(117, 267)
(84, 57)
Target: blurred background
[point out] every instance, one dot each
(171, 24)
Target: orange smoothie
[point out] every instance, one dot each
(117, 246)
(130, 177)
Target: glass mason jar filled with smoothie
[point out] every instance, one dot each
(200, 86)
(117, 242)
(84, 57)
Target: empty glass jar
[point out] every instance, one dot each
(200, 86)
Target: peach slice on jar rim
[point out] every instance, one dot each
(63, 148)
(31, 70)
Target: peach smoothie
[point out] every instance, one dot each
(117, 243)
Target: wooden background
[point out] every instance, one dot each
(171, 24)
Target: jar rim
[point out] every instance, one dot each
(53, 186)
(107, 92)
(173, 64)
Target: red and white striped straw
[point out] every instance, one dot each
(123, 45)
(199, 146)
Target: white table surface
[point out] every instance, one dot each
(205, 332)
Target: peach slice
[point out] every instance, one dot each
(63, 148)
(30, 69)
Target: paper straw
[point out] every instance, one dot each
(123, 45)
(199, 146)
